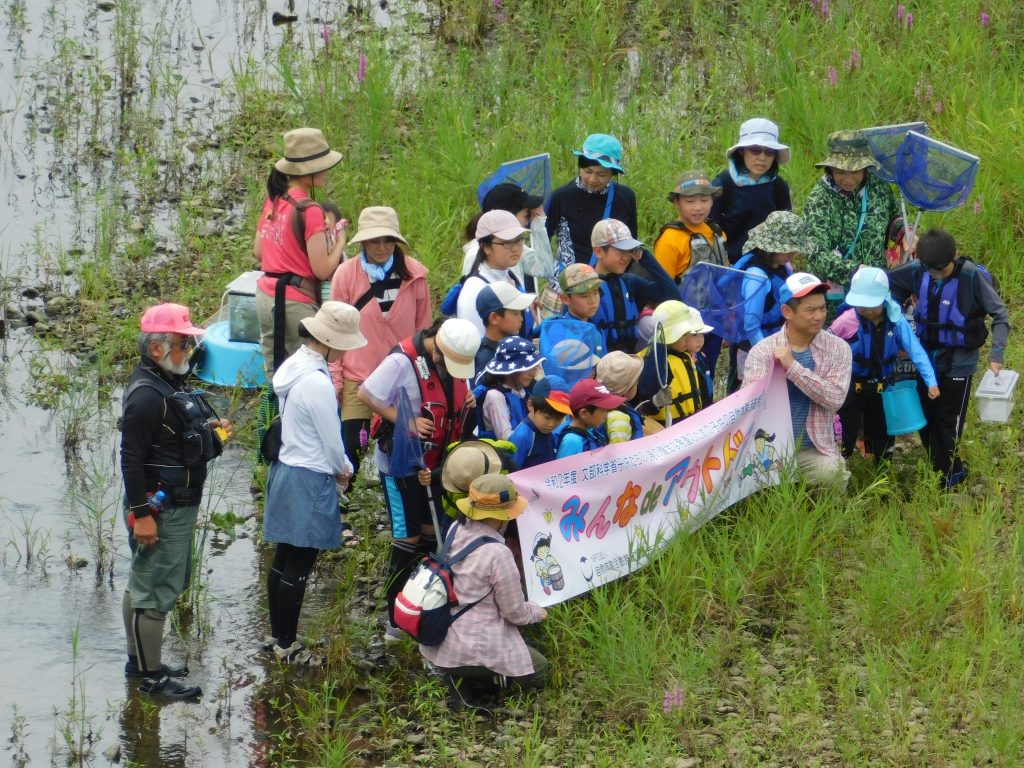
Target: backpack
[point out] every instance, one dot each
(270, 442)
(423, 609)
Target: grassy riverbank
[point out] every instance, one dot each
(881, 627)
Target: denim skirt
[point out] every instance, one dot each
(301, 508)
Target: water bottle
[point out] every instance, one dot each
(157, 501)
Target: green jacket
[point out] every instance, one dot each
(831, 219)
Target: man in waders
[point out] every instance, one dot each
(167, 438)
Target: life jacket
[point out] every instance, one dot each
(450, 302)
(516, 409)
(617, 315)
(771, 318)
(196, 444)
(441, 398)
(591, 441)
(689, 386)
(939, 316)
(700, 249)
(636, 424)
(869, 363)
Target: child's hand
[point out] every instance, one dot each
(424, 477)
(424, 426)
(470, 400)
(996, 367)
(933, 392)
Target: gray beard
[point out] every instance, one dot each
(166, 364)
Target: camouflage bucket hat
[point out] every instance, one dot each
(781, 232)
(848, 151)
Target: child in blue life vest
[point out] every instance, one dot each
(878, 334)
(687, 384)
(570, 343)
(623, 296)
(590, 402)
(574, 208)
(953, 296)
(547, 407)
(771, 245)
(751, 185)
(501, 307)
(502, 387)
(621, 374)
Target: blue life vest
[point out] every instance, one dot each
(771, 317)
(450, 302)
(516, 409)
(617, 316)
(870, 363)
(591, 441)
(939, 316)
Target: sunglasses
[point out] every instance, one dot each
(758, 151)
(187, 343)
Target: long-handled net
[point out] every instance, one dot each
(532, 174)
(717, 292)
(885, 142)
(934, 176)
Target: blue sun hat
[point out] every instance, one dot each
(514, 354)
(869, 288)
(603, 149)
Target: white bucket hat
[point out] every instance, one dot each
(760, 132)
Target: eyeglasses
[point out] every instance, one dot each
(186, 343)
(757, 151)
(512, 245)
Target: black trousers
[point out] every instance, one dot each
(941, 435)
(863, 411)
(286, 589)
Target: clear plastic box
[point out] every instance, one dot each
(996, 395)
(243, 324)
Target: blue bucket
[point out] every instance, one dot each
(230, 363)
(902, 408)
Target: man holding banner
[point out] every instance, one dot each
(817, 366)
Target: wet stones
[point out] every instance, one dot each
(106, 5)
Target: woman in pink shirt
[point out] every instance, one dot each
(291, 244)
(485, 642)
(389, 288)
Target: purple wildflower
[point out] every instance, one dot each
(825, 11)
(901, 11)
(364, 438)
(854, 59)
(910, 20)
(496, 4)
(361, 72)
(977, 205)
(325, 33)
(983, 19)
(833, 76)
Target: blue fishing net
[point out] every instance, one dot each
(934, 176)
(718, 293)
(569, 346)
(532, 174)
(406, 456)
(885, 141)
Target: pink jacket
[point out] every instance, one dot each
(410, 312)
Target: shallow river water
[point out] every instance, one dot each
(62, 650)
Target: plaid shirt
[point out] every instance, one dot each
(826, 385)
(487, 635)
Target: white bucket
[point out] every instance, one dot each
(995, 395)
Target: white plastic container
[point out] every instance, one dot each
(243, 325)
(995, 395)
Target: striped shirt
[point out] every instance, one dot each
(826, 385)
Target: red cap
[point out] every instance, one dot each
(169, 318)
(591, 392)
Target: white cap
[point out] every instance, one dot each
(458, 339)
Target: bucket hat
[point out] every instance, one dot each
(848, 151)
(579, 279)
(169, 318)
(613, 233)
(800, 284)
(619, 371)
(500, 224)
(336, 324)
(781, 232)
(306, 151)
(377, 221)
(694, 183)
(514, 355)
(603, 149)
(509, 197)
(760, 132)
(869, 288)
(458, 340)
(678, 319)
(494, 497)
(591, 392)
(466, 462)
(555, 391)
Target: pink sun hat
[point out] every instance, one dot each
(169, 318)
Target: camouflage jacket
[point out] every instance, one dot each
(831, 218)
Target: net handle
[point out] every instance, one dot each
(929, 141)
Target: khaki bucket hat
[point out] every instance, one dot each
(306, 151)
(336, 324)
(377, 221)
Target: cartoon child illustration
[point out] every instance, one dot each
(764, 456)
(548, 570)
